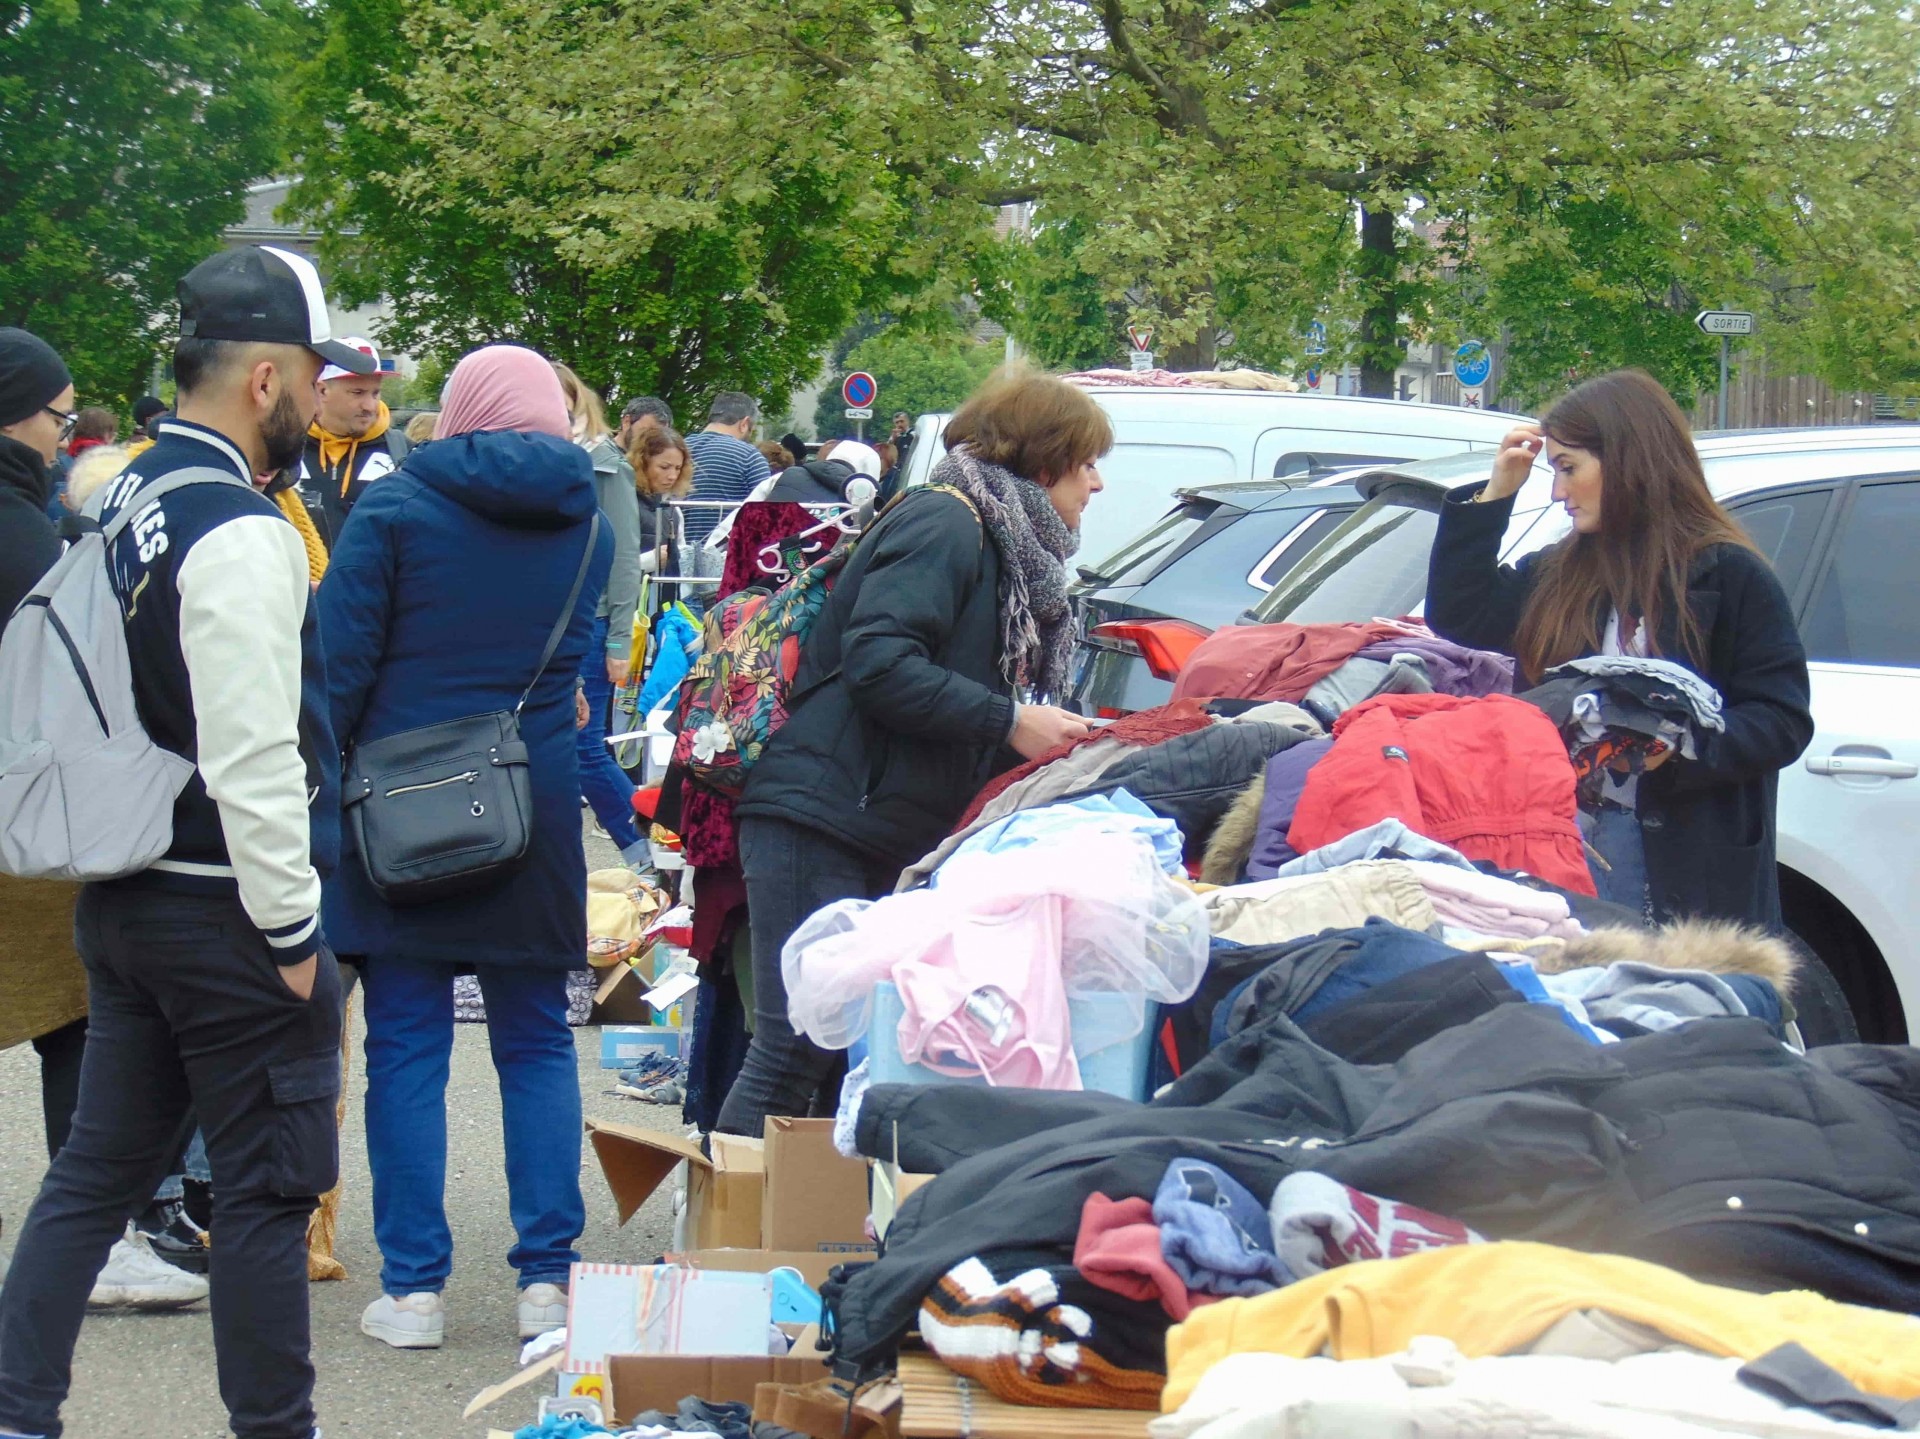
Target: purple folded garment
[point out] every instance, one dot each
(1454, 669)
(1286, 777)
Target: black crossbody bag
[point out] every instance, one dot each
(448, 808)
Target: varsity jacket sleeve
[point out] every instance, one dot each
(1473, 599)
(925, 564)
(243, 597)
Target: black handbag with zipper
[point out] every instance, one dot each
(447, 808)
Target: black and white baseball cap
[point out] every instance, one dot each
(264, 293)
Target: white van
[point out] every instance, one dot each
(1167, 440)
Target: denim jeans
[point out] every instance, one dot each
(602, 781)
(409, 1046)
(193, 1165)
(790, 873)
(1615, 833)
(187, 1011)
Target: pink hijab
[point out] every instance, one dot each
(503, 387)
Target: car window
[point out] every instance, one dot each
(1783, 527)
(1289, 552)
(1136, 562)
(1375, 563)
(1863, 609)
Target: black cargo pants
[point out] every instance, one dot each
(189, 1015)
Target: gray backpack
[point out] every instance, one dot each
(85, 793)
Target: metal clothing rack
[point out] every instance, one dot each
(823, 510)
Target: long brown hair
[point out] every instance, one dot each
(1655, 516)
(654, 441)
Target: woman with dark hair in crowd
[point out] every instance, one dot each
(952, 604)
(1654, 567)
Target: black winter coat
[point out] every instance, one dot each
(1707, 823)
(29, 544)
(1710, 1147)
(901, 712)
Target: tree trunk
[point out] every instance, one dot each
(1202, 352)
(1379, 278)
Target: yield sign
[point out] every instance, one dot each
(1142, 339)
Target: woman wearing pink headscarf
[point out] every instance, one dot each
(437, 603)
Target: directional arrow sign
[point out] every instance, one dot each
(1725, 322)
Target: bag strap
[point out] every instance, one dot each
(566, 612)
(165, 485)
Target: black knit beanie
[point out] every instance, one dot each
(31, 375)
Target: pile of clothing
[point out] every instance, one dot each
(1617, 712)
(1426, 1086)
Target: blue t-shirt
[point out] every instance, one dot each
(723, 469)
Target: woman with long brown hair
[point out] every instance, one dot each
(1654, 567)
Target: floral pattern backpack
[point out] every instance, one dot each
(738, 691)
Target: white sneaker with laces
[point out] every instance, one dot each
(543, 1308)
(412, 1321)
(137, 1278)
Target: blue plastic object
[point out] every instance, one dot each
(1110, 1060)
(793, 1301)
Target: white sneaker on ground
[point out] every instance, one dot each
(413, 1321)
(137, 1278)
(543, 1309)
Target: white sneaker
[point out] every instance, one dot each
(543, 1309)
(137, 1278)
(417, 1321)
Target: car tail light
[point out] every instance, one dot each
(1166, 645)
(1108, 712)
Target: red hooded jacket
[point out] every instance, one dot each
(1489, 776)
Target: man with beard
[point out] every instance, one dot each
(350, 444)
(212, 992)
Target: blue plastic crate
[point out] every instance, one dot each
(1110, 1060)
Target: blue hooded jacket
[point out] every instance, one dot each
(438, 599)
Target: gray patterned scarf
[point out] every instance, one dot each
(1036, 626)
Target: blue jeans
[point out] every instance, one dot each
(409, 1043)
(1615, 833)
(602, 781)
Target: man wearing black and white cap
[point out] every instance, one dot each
(350, 444)
(212, 992)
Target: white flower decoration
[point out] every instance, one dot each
(711, 740)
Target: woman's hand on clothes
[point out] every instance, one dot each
(581, 714)
(1039, 728)
(1514, 462)
(618, 668)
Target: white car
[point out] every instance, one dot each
(1838, 512)
(1167, 440)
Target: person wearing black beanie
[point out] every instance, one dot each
(36, 413)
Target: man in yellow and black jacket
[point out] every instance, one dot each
(351, 443)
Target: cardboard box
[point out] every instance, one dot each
(724, 1193)
(660, 1381)
(816, 1196)
(622, 1044)
(615, 1309)
(813, 1265)
(619, 1000)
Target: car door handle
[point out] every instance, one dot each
(1849, 764)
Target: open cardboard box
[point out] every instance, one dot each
(789, 1192)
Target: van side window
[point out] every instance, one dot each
(1862, 611)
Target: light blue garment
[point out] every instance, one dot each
(1522, 976)
(1115, 813)
(1646, 995)
(679, 642)
(1389, 839)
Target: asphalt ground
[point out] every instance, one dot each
(152, 1375)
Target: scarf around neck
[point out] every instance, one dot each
(1036, 629)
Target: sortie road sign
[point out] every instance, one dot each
(1725, 322)
(859, 390)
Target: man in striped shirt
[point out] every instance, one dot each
(725, 466)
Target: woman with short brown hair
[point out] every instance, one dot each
(952, 604)
(1654, 568)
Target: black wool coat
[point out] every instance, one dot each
(29, 545)
(901, 713)
(1709, 822)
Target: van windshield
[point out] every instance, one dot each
(1374, 564)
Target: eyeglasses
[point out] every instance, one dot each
(68, 422)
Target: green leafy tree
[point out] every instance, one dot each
(128, 135)
(919, 372)
(1041, 289)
